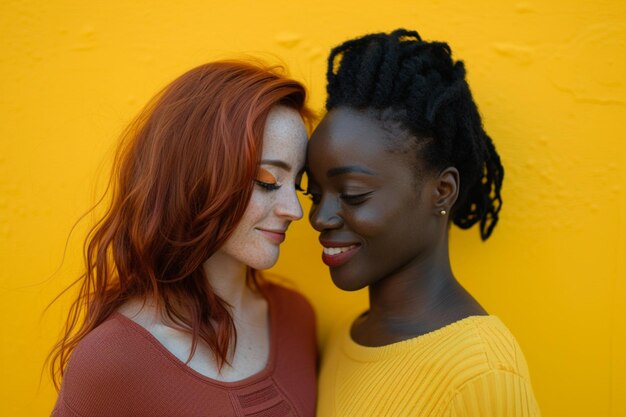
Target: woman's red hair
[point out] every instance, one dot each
(181, 181)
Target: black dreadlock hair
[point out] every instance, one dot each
(426, 91)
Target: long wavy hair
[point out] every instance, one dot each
(181, 181)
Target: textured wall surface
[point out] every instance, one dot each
(549, 79)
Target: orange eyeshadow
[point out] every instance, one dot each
(265, 176)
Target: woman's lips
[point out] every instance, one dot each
(337, 254)
(274, 236)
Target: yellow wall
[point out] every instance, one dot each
(549, 79)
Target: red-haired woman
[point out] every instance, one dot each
(172, 318)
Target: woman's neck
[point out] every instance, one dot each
(410, 295)
(421, 297)
(227, 278)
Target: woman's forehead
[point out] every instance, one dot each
(350, 136)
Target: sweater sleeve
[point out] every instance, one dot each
(93, 384)
(105, 373)
(496, 393)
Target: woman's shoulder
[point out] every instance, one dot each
(107, 342)
(485, 336)
(484, 363)
(103, 368)
(113, 350)
(502, 351)
(503, 373)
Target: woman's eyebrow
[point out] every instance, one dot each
(333, 172)
(277, 163)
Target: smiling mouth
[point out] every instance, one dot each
(337, 251)
(274, 236)
(339, 255)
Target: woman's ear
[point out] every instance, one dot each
(447, 190)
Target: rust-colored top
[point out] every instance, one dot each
(120, 369)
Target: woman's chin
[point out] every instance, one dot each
(264, 263)
(345, 283)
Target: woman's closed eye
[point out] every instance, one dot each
(355, 199)
(266, 180)
(351, 199)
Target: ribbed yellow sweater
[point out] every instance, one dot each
(473, 367)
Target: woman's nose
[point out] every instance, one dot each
(325, 215)
(289, 207)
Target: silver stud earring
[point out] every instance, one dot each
(443, 212)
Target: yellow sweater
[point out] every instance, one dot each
(473, 367)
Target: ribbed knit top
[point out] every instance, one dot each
(120, 369)
(472, 367)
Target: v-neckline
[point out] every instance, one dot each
(249, 380)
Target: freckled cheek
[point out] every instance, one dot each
(260, 205)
